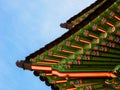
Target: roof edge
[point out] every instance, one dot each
(73, 30)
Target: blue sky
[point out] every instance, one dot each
(26, 26)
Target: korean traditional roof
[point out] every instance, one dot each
(87, 20)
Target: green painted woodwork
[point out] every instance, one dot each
(94, 48)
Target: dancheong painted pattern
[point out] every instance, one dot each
(87, 57)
